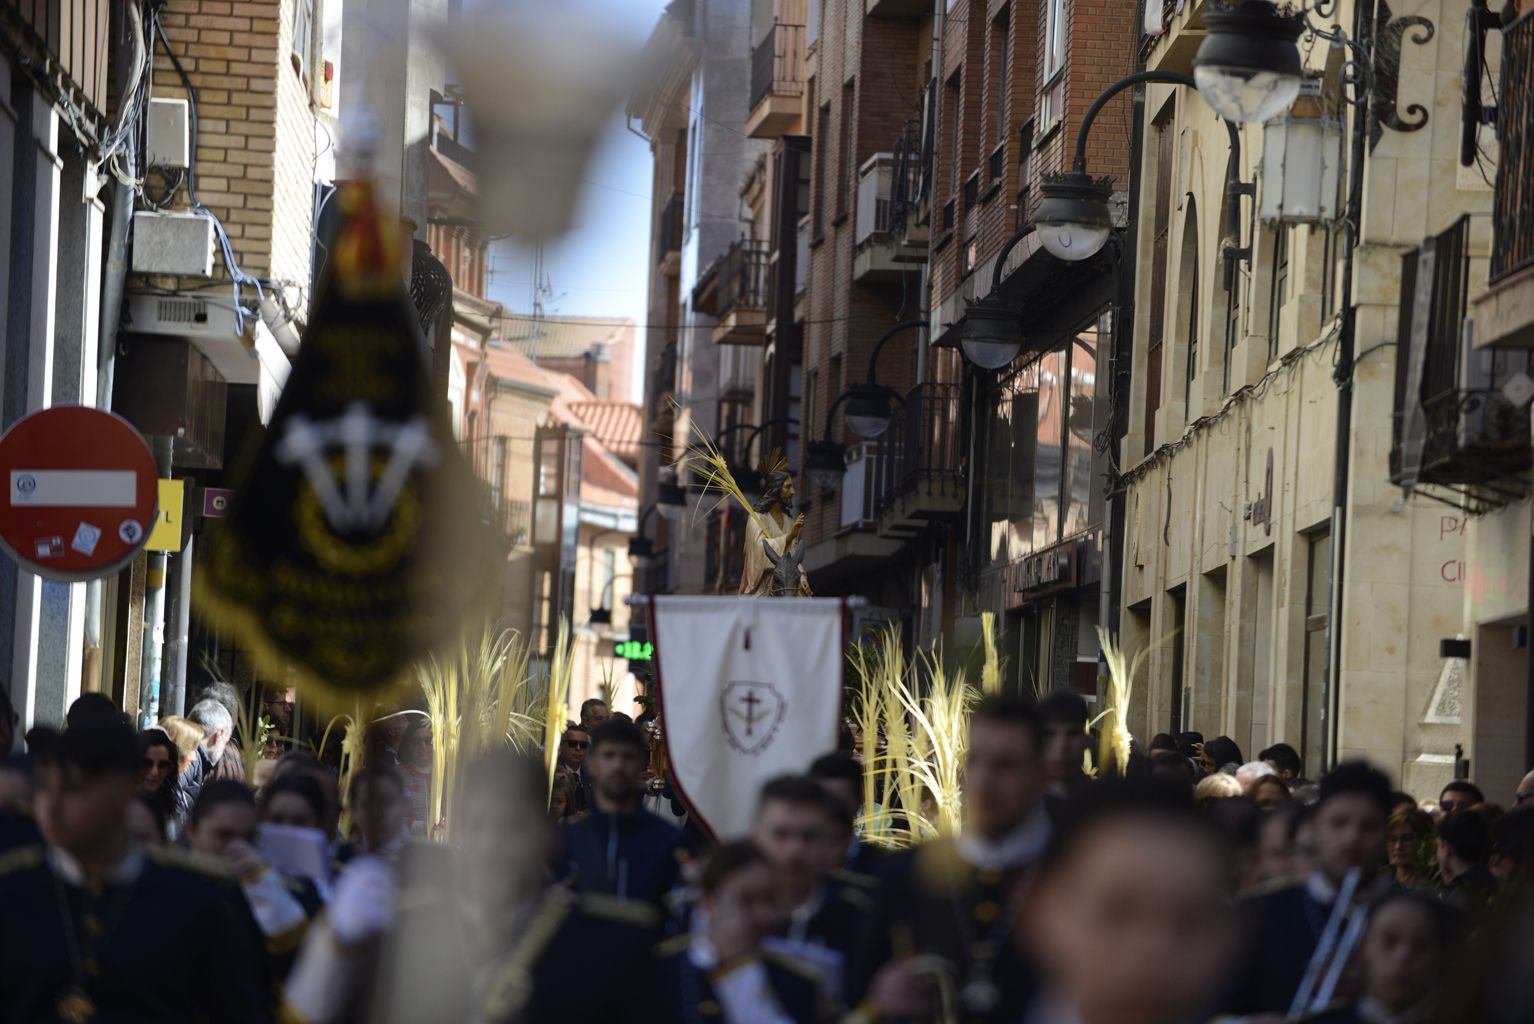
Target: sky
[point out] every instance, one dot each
(601, 267)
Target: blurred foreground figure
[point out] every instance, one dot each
(1284, 926)
(1131, 915)
(95, 927)
(825, 914)
(1407, 952)
(950, 903)
(719, 970)
(486, 939)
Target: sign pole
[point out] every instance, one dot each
(154, 610)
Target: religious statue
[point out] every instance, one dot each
(773, 548)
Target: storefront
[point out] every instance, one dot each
(1045, 510)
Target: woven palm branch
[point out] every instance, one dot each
(1116, 743)
(706, 462)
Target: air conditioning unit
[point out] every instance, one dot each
(184, 316)
(172, 243)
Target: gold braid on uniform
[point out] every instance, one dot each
(513, 984)
(20, 859)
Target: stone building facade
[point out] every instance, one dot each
(1288, 609)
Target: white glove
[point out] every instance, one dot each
(363, 905)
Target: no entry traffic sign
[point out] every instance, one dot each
(80, 492)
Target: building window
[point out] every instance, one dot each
(822, 143)
(1001, 45)
(849, 173)
(1161, 226)
(1052, 100)
(498, 472)
(955, 116)
(812, 32)
(1190, 316)
(1316, 696)
(609, 578)
(1230, 285)
(1278, 288)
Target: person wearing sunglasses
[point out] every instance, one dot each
(157, 770)
(1460, 795)
(573, 748)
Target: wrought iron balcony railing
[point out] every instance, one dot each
(1453, 427)
(669, 229)
(743, 277)
(1513, 203)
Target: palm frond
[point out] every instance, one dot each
(1116, 743)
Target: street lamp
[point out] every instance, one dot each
(868, 403)
(1248, 66)
(992, 335)
(1074, 219)
(825, 462)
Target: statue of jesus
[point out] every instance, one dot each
(772, 559)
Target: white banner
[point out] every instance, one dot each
(750, 688)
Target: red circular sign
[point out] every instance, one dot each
(80, 492)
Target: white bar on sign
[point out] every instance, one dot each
(74, 488)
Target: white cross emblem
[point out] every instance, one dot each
(357, 502)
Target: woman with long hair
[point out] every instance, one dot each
(1411, 847)
(158, 760)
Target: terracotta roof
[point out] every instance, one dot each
(613, 482)
(512, 366)
(553, 337)
(618, 425)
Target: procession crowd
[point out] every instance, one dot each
(142, 879)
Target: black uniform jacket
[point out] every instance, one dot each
(933, 903)
(1282, 927)
(574, 959)
(171, 940)
(634, 856)
(685, 994)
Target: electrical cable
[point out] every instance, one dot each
(237, 276)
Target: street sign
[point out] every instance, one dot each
(216, 502)
(166, 535)
(81, 492)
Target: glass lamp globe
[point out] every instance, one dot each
(868, 411)
(1248, 66)
(1073, 221)
(992, 334)
(1245, 96)
(1073, 242)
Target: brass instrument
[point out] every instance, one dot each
(1344, 930)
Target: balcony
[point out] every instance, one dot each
(777, 82)
(897, 8)
(1455, 435)
(512, 519)
(1504, 314)
(741, 285)
(878, 256)
(910, 184)
(663, 385)
(669, 237)
(924, 477)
